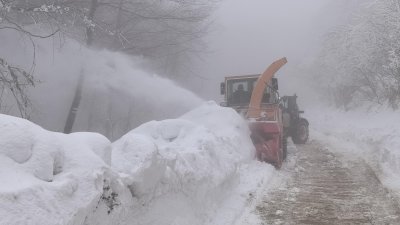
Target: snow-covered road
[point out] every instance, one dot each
(323, 187)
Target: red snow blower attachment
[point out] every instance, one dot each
(256, 98)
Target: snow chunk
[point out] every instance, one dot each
(54, 178)
(191, 161)
(30, 146)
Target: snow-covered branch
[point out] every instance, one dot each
(14, 81)
(363, 56)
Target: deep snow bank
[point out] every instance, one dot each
(179, 171)
(373, 136)
(51, 178)
(197, 169)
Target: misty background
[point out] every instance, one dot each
(110, 67)
(253, 34)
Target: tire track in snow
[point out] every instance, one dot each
(325, 190)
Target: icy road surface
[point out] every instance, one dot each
(324, 188)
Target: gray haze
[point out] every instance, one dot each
(119, 95)
(249, 35)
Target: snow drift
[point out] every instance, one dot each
(180, 170)
(177, 171)
(50, 178)
(371, 136)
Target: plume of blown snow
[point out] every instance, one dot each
(118, 94)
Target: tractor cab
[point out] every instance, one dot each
(238, 91)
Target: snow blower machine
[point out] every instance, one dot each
(272, 119)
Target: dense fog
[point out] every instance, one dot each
(152, 60)
(252, 35)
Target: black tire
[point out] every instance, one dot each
(284, 147)
(302, 133)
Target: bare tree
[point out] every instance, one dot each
(15, 81)
(155, 29)
(167, 32)
(359, 61)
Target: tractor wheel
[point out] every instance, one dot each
(284, 147)
(301, 135)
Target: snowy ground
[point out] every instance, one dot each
(250, 216)
(347, 174)
(51, 177)
(373, 137)
(197, 169)
(182, 171)
(323, 188)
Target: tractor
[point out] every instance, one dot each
(271, 119)
(294, 125)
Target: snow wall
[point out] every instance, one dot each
(177, 171)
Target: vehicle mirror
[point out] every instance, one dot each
(222, 88)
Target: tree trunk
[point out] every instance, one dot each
(73, 111)
(75, 104)
(89, 29)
